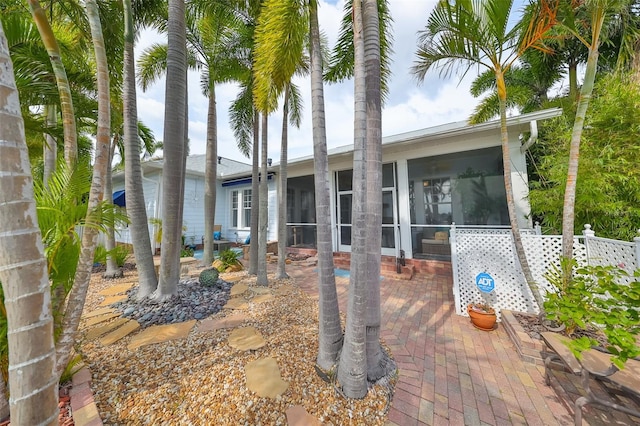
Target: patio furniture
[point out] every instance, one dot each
(597, 365)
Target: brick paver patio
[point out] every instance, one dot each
(450, 372)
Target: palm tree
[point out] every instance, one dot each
(476, 33)
(32, 380)
(174, 148)
(66, 101)
(77, 296)
(599, 12)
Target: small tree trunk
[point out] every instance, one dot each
(210, 177)
(264, 205)
(282, 193)
(50, 149)
(255, 198)
(113, 270)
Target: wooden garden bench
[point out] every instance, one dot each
(595, 364)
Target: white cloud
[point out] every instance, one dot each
(409, 106)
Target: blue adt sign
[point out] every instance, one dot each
(485, 282)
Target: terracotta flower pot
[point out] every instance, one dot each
(482, 318)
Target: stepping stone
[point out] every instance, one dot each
(239, 289)
(109, 300)
(129, 327)
(98, 312)
(263, 298)
(263, 378)
(101, 318)
(298, 416)
(103, 329)
(246, 338)
(231, 278)
(116, 289)
(161, 333)
(261, 290)
(211, 324)
(236, 303)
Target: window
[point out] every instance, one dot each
(241, 208)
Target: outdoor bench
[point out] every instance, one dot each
(595, 364)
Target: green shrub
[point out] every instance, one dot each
(186, 252)
(120, 253)
(100, 255)
(597, 297)
(209, 277)
(228, 258)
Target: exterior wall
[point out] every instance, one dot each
(193, 213)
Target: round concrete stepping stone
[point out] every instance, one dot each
(116, 289)
(211, 324)
(161, 333)
(129, 327)
(246, 338)
(263, 298)
(236, 303)
(109, 300)
(263, 378)
(238, 289)
(298, 416)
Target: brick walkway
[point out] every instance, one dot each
(450, 372)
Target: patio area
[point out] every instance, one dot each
(453, 374)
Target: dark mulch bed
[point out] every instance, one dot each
(533, 327)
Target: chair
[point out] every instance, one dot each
(219, 244)
(595, 364)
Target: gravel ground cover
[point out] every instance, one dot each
(200, 380)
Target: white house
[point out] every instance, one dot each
(431, 178)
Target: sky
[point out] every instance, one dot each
(410, 105)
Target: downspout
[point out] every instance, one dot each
(532, 138)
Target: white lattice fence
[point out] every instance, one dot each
(494, 253)
(605, 251)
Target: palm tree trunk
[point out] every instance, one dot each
(23, 269)
(330, 330)
(174, 142)
(136, 209)
(78, 293)
(568, 208)
(264, 205)
(66, 102)
(508, 186)
(282, 192)
(255, 198)
(352, 370)
(211, 171)
(378, 364)
(113, 271)
(50, 150)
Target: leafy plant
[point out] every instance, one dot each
(100, 255)
(597, 297)
(120, 254)
(72, 368)
(186, 252)
(228, 258)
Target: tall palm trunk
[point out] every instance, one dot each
(352, 370)
(282, 192)
(508, 186)
(568, 208)
(113, 271)
(23, 269)
(377, 359)
(78, 293)
(50, 149)
(264, 205)
(330, 330)
(136, 209)
(174, 143)
(255, 197)
(210, 177)
(66, 102)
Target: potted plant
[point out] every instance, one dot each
(482, 315)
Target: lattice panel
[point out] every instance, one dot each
(604, 252)
(474, 253)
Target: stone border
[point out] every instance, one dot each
(530, 350)
(83, 406)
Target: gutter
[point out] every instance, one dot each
(533, 138)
